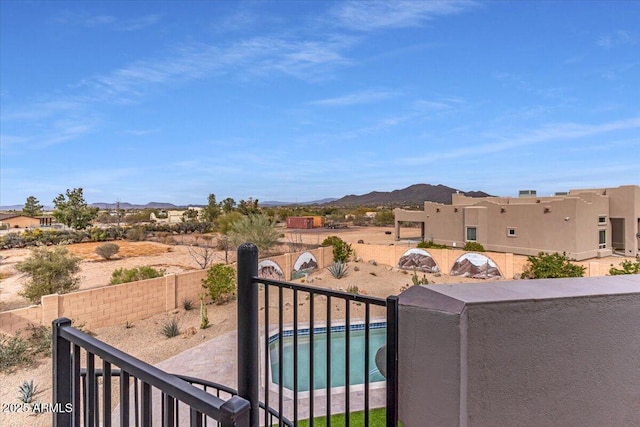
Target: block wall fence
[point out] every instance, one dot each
(128, 302)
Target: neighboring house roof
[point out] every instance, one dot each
(8, 216)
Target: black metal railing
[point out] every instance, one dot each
(221, 391)
(156, 394)
(313, 320)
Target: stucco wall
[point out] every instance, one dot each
(549, 224)
(113, 305)
(530, 353)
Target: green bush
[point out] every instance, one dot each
(107, 250)
(428, 244)
(126, 275)
(98, 234)
(39, 340)
(49, 272)
(13, 353)
(220, 283)
(473, 247)
(342, 250)
(552, 265)
(628, 267)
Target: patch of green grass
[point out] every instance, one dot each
(377, 418)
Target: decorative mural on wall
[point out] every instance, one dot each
(418, 259)
(475, 265)
(268, 269)
(304, 265)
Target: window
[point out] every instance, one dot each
(602, 239)
(602, 220)
(511, 232)
(471, 234)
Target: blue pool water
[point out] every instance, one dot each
(377, 338)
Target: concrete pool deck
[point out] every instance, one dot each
(215, 360)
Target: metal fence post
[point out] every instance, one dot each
(392, 361)
(248, 381)
(61, 373)
(235, 413)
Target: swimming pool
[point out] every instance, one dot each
(377, 338)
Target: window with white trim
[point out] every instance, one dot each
(511, 232)
(602, 220)
(602, 239)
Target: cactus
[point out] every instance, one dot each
(419, 281)
(204, 318)
(338, 269)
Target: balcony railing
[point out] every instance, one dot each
(86, 371)
(256, 387)
(91, 402)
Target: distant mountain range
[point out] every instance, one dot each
(412, 195)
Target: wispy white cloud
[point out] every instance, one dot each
(304, 59)
(617, 38)
(104, 21)
(41, 110)
(550, 133)
(135, 24)
(373, 15)
(140, 132)
(364, 97)
(64, 131)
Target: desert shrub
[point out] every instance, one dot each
(107, 250)
(170, 328)
(187, 304)
(428, 244)
(13, 352)
(255, 228)
(39, 339)
(98, 234)
(136, 234)
(553, 265)
(220, 283)
(12, 240)
(628, 267)
(338, 269)
(342, 251)
(126, 275)
(353, 290)
(473, 247)
(49, 271)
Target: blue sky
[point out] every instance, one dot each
(170, 101)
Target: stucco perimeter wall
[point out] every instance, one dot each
(110, 305)
(128, 302)
(521, 353)
(117, 304)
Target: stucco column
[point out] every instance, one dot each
(527, 352)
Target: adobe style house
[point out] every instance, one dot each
(583, 223)
(21, 221)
